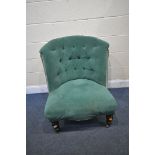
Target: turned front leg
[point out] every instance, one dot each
(109, 119)
(56, 126)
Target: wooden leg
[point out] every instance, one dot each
(109, 119)
(56, 126)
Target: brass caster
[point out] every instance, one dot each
(107, 126)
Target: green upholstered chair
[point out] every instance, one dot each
(76, 74)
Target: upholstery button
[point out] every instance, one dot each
(74, 68)
(84, 68)
(65, 69)
(70, 58)
(92, 69)
(78, 57)
(60, 60)
(84, 46)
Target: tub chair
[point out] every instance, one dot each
(76, 75)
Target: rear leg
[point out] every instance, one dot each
(109, 119)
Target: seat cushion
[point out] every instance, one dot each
(79, 99)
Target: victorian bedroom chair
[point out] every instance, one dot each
(76, 75)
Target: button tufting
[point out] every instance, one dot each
(95, 46)
(74, 58)
(84, 46)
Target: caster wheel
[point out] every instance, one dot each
(56, 128)
(107, 126)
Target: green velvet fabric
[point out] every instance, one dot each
(74, 57)
(76, 74)
(79, 99)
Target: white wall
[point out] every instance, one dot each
(49, 19)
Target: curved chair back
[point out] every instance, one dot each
(74, 57)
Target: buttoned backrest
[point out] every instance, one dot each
(74, 57)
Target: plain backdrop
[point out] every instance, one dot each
(105, 19)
